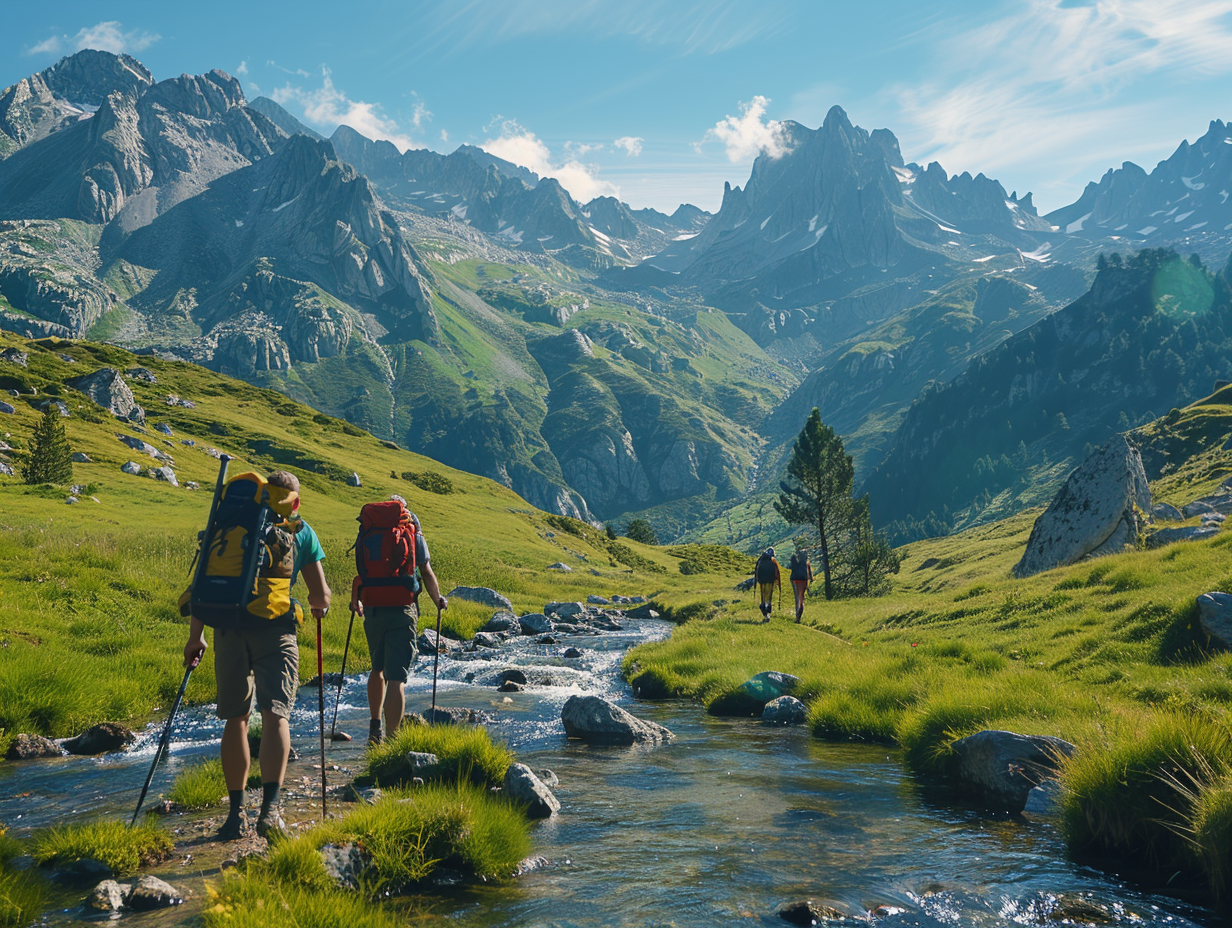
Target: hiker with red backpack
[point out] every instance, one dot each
(393, 566)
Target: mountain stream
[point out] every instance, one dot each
(723, 827)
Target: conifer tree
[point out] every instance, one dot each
(50, 458)
(640, 530)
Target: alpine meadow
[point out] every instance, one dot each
(547, 464)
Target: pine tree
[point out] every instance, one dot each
(50, 458)
(640, 530)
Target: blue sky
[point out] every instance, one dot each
(661, 102)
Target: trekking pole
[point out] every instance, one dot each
(204, 545)
(436, 658)
(321, 707)
(162, 741)
(334, 734)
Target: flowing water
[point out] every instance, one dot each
(722, 827)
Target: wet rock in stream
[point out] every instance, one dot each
(808, 913)
(149, 892)
(107, 896)
(522, 785)
(31, 747)
(103, 738)
(598, 721)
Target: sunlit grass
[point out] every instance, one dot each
(120, 847)
(465, 753)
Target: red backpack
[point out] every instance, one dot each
(385, 555)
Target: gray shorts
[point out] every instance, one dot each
(262, 659)
(392, 644)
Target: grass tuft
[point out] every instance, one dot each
(466, 754)
(199, 786)
(120, 847)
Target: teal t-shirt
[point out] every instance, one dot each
(308, 550)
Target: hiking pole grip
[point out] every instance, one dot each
(321, 708)
(436, 658)
(341, 676)
(162, 741)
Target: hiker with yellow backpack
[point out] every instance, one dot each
(391, 560)
(253, 549)
(766, 576)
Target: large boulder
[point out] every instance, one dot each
(481, 595)
(785, 710)
(751, 697)
(103, 738)
(108, 388)
(522, 785)
(1166, 512)
(597, 721)
(564, 610)
(1215, 618)
(1003, 767)
(501, 622)
(1167, 536)
(535, 623)
(1094, 513)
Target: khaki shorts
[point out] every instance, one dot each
(392, 644)
(262, 659)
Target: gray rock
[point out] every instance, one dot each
(191, 485)
(563, 568)
(637, 600)
(166, 474)
(107, 388)
(138, 445)
(535, 623)
(1214, 518)
(597, 721)
(103, 738)
(429, 642)
(422, 764)
(596, 600)
(188, 442)
(453, 715)
(7, 408)
(1044, 799)
(80, 457)
(510, 686)
(501, 622)
(785, 710)
(13, 356)
(564, 610)
(144, 374)
(521, 785)
(511, 675)
(346, 864)
(6, 469)
(643, 612)
(1166, 512)
(1093, 513)
(770, 685)
(164, 428)
(66, 358)
(607, 623)
(486, 640)
(531, 864)
(1215, 618)
(71, 500)
(353, 480)
(107, 896)
(572, 653)
(1216, 503)
(1002, 767)
(548, 777)
(149, 892)
(59, 405)
(29, 747)
(1167, 536)
(809, 913)
(131, 467)
(1196, 508)
(481, 595)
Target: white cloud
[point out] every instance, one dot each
(582, 149)
(107, 36)
(1059, 83)
(523, 147)
(631, 144)
(242, 70)
(328, 107)
(444, 136)
(746, 136)
(420, 113)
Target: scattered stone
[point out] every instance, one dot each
(353, 480)
(1166, 512)
(103, 738)
(512, 675)
(1167, 536)
(501, 622)
(535, 623)
(107, 896)
(808, 913)
(485, 640)
(107, 388)
(596, 600)
(636, 600)
(166, 474)
(1093, 513)
(1215, 618)
(531, 864)
(1003, 767)
(149, 892)
(13, 356)
(138, 445)
(188, 442)
(510, 687)
(564, 610)
(131, 467)
(191, 485)
(80, 457)
(144, 374)
(607, 623)
(346, 864)
(30, 747)
(6, 469)
(562, 567)
(1218, 503)
(164, 428)
(421, 764)
(548, 639)
(597, 721)
(481, 595)
(643, 612)
(429, 642)
(1043, 799)
(521, 785)
(66, 358)
(454, 716)
(572, 652)
(58, 404)
(785, 710)
(7, 408)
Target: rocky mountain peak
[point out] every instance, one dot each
(205, 96)
(88, 77)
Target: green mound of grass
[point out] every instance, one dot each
(120, 847)
(22, 894)
(249, 901)
(713, 559)
(466, 754)
(199, 786)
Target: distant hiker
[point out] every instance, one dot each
(801, 577)
(767, 575)
(391, 557)
(255, 647)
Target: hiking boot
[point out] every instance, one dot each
(233, 828)
(374, 732)
(271, 827)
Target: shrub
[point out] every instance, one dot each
(431, 481)
(121, 848)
